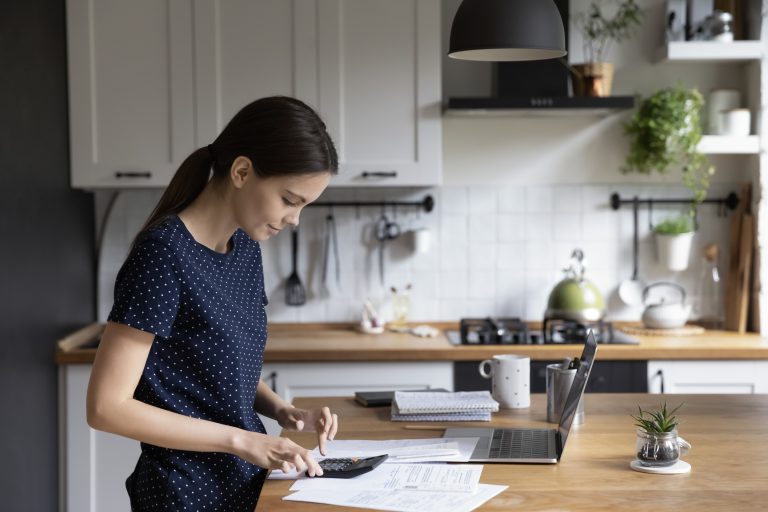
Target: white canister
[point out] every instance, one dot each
(736, 122)
(719, 100)
(511, 379)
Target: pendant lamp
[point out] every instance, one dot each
(507, 30)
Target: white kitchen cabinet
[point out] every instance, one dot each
(150, 81)
(248, 49)
(737, 377)
(293, 380)
(131, 89)
(380, 90)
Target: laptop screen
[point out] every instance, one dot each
(577, 387)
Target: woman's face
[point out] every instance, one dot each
(264, 206)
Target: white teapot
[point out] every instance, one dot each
(665, 314)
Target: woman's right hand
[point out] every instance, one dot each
(271, 452)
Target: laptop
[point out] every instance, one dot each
(528, 445)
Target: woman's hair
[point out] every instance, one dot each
(281, 136)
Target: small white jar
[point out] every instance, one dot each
(736, 122)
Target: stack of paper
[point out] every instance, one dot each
(431, 406)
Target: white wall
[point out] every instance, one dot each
(519, 195)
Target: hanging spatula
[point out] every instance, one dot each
(294, 290)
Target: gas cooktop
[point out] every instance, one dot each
(513, 331)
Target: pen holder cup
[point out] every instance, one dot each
(558, 386)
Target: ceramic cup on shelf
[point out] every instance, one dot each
(511, 378)
(719, 100)
(736, 122)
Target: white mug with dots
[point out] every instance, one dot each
(511, 380)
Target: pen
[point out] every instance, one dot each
(424, 427)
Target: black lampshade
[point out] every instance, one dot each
(507, 30)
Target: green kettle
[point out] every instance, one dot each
(575, 298)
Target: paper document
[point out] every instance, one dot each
(401, 450)
(401, 500)
(420, 477)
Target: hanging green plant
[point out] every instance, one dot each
(664, 134)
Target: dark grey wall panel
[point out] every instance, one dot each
(46, 241)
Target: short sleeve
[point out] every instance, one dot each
(147, 289)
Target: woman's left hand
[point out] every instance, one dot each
(317, 420)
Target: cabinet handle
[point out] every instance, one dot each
(133, 174)
(660, 374)
(272, 378)
(379, 174)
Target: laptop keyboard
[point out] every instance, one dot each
(519, 444)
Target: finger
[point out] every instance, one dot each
(326, 420)
(285, 467)
(313, 468)
(301, 466)
(322, 438)
(299, 425)
(334, 427)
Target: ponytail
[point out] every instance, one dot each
(188, 182)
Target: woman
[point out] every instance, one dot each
(178, 367)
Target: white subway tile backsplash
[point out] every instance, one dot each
(511, 199)
(510, 227)
(538, 227)
(567, 227)
(482, 200)
(454, 200)
(539, 200)
(482, 228)
(455, 258)
(453, 284)
(567, 199)
(482, 256)
(482, 284)
(495, 250)
(454, 229)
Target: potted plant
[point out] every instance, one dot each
(664, 134)
(657, 443)
(674, 238)
(595, 76)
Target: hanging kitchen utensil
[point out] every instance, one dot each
(631, 290)
(331, 240)
(294, 290)
(384, 231)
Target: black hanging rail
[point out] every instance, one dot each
(427, 204)
(730, 202)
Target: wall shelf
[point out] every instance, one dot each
(711, 51)
(728, 145)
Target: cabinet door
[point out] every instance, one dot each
(720, 377)
(248, 49)
(379, 89)
(130, 91)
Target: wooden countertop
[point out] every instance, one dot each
(728, 458)
(339, 342)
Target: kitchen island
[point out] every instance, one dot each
(728, 458)
(333, 360)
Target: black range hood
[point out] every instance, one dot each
(543, 84)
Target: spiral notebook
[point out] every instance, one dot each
(456, 403)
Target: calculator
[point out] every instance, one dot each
(348, 467)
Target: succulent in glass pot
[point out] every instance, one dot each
(657, 443)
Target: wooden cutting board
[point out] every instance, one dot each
(740, 257)
(686, 330)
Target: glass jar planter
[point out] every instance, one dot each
(659, 449)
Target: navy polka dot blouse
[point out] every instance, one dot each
(206, 310)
